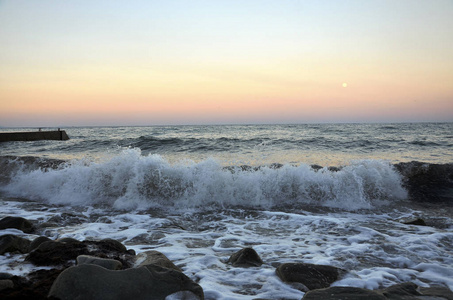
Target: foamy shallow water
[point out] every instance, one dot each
(372, 245)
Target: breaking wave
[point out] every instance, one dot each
(133, 181)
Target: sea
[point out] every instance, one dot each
(331, 194)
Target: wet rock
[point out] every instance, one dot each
(67, 240)
(35, 285)
(343, 293)
(94, 282)
(38, 241)
(13, 243)
(440, 292)
(427, 183)
(156, 258)
(310, 275)
(418, 221)
(402, 291)
(65, 253)
(56, 253)
(6, 284)
(4, 275)
(331, 169)
(316, 167)
(246, 257)
(407, 290)
(17, 223)
(275, 166)
(110, 264)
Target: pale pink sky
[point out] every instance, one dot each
(210, 62)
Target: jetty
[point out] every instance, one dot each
(59, 135)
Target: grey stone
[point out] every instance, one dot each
(38, 241)
(406, 290)
(6, 284)
(113, 245)
(65, 253)
(107, 263)
(310, 275)
(246, 257)
(441, 292)
(13, 243)
(17, 223)
(156, 258)
(67, 240)
(342, 293)
(92, 282)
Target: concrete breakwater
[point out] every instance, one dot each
(34, 136)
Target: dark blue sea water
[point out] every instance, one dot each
(334, 194)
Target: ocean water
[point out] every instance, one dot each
(334, 194)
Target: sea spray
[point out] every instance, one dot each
(131, 180)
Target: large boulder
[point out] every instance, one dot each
(402, 291)
(343, 293)
(246, 257)
(35, 285)
(13, 243)
(156, 258)
(6, 284)
(65, 253)
(437, 291)
(310, 275)
(431, 183)
(92, 282)
(107, 263)
(38, 241)
(406, 290)
(17, 223)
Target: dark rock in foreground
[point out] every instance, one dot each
(440, 292)
(65, 253)
(38, 241)
(246, 257)
(312, 276)
(6, 284)
(402, 291)
(343, 293)
(431, 183)
(407, 290)
(35, 286)
(13, 243)
(17, 223)
(94, 282)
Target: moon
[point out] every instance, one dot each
(345, 84)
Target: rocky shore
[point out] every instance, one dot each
(106, 269)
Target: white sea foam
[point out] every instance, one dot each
(130, 181)
(375, 250)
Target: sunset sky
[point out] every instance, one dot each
(77, 62)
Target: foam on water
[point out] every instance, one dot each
(376, 250)
(198, 212)
(131, 180)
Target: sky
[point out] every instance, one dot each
(88, 63)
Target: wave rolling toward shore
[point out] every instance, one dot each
(276, 197)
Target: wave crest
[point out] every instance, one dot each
(131, 180)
